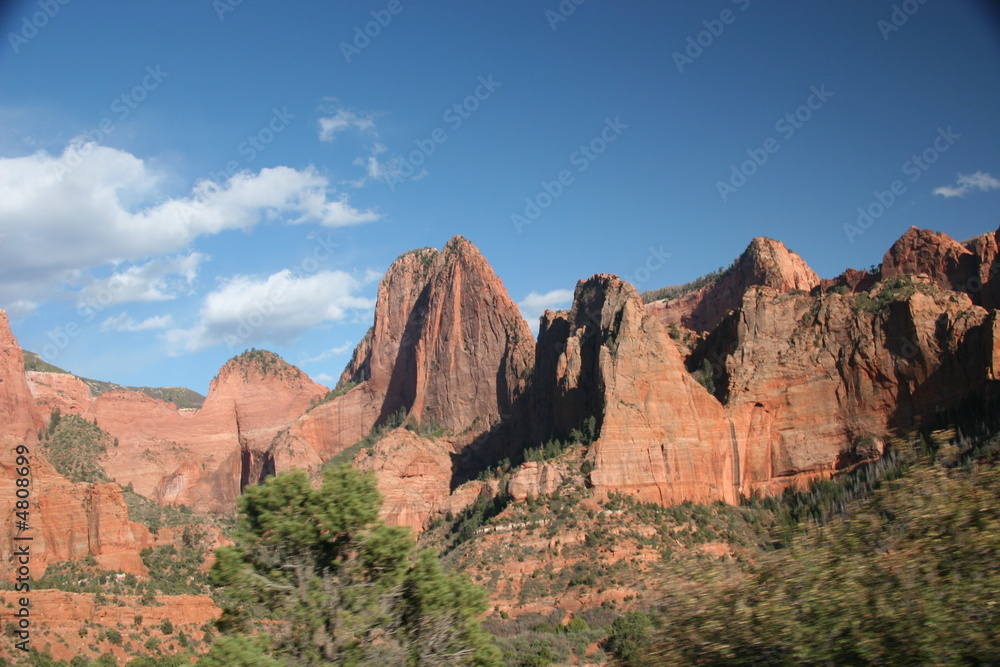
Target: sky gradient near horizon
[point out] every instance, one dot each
(183, 180)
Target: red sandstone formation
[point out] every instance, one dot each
(801, 381)
(662, 436)
(448, 346)
(533, 480)
(764, 262)
(809, 380)
(68, 521)
(61, 391)
(809, 384)
(20, 418)
(971, 267)
(58, 619)
(448, 343)
(204, 458)
(413, 474)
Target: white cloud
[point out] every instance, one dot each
(123, 322)
(535, 304)
(376, 168)
(332, 352)
(20, 308)
(278, 309)
(342, 120)
(156, 280)
(95, 205)
(325, 378)
(969, 182)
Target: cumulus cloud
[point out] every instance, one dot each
(325, 378)
(123, 322)
(94, 205)
(981, 181)
(534, 305)
(248, 310)
(342, 120)
(156, 280)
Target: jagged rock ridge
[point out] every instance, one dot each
(765, 262)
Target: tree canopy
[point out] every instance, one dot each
(320, 578)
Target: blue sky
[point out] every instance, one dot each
(182, 180)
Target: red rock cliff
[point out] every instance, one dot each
(448, 345)
(764, 262)
(203, 459)
(69, 521)
(661, 435)
(19, 416)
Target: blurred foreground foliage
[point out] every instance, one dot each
(908, 576)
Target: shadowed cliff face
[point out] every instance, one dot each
(661, 436)
(448, 346)
(448, 343)
(806, 379)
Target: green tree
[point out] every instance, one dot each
(319, 571)
(629, 636)
(238, 652)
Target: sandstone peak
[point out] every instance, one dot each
(702, 304)
(768, 262)
(660, 435)
(598, 299)
(255, 365)
(924, 252)
(448, 344)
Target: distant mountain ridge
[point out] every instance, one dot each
(182, 397)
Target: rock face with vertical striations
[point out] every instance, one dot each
(448, 347)
(804, 384)
(806, 380)
(661, 436)
(70, 521)
(815, 384)
(19, 416)
(448, 343)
